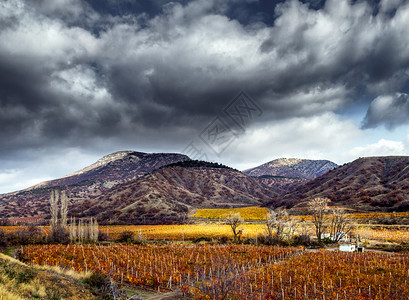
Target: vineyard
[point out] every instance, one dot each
(247, 213)
(238, 271)
(191, 232)
(183, 232)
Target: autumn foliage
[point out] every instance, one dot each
(238, 271)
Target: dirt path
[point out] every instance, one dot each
(158, 296)
(167, 296)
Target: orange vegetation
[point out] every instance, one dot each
(241, 271)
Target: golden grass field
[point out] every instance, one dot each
(193, 231)
(383, 233)
(182, 232)
(247, 213)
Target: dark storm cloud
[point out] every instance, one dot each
(73, 71)
(388, 110)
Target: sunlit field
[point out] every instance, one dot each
(247, 213)
(182, 232)
(385, 235)
(189, 232)
(238, 271)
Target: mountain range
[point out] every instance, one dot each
(169, 193)
(293, 168)
(366, 184)
(134, 187)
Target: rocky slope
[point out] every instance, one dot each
(372, 183)
(167, 194)
(94, 180)
(282, 185)
(292, 168)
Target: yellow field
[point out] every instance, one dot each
(247, 213)
(382, 233)
(387, 235)
(380, 215)
(182, 232)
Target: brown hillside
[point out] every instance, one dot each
(372, 183)
(293, 168)
(281, 185)
(111, 170)
(167, 194)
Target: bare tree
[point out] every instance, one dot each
(58, 226)
(64, 211)
(54, 213)
(341, 223)
(291, 225)
(73, 231)
(276, 223)
(81, 231)
(304, 227)
(234, 220)
(319, 209)
(93, 230)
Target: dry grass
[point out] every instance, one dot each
(384, 235)
(78, 275)
(20, 281)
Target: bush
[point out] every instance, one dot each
(304, 240)
(103, 287)
(3, 239)
(250, 241)
(102, 236)
(97, 280)
(223, 240)
(27, 235)
(126, 236)
(273, 240)
(202, 239)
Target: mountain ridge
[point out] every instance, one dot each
(167, 194)
(366, 184)
(292, 168)
(162, 187)
(107, 172)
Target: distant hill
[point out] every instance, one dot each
(94, 180)
(166, 195)
(280, 184)
(292, 168)
(371, 183)
(117, 168)
(134, 187)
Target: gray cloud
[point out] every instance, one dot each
(77, 73)
(388, 110)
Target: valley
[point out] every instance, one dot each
(163, 225)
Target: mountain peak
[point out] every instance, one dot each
(107, 159)
(285, 161)
(293, 167)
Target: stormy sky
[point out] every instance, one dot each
(238, 82)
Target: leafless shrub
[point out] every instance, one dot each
(340, 224)
(234, 220)
(319, 210)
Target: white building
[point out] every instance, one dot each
(347, 248)
(340, 236)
